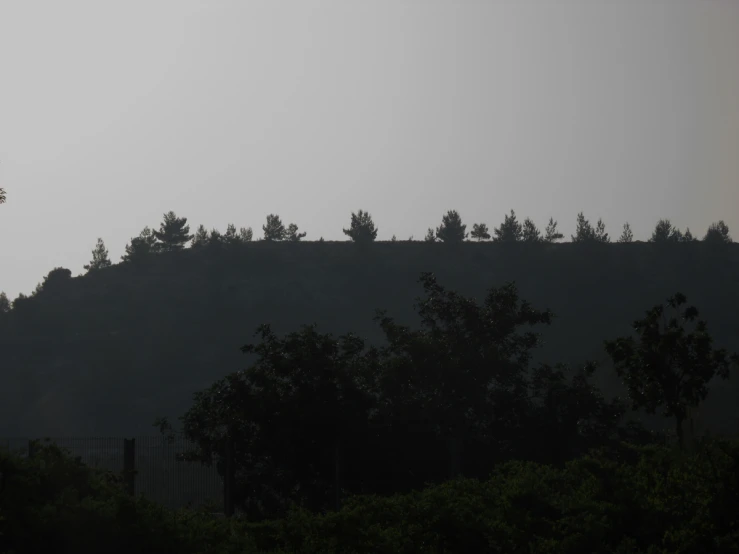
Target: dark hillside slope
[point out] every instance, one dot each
(108, 352)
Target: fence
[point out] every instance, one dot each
(149, 464)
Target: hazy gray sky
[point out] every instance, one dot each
(113, 112)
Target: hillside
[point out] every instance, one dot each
(106, 353)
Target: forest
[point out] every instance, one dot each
(443, 395)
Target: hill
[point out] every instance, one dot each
(108, 352)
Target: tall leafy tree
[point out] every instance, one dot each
(200, 238)
(584, 232)
(551, 234)
(274, 230)
(4, 303)
(530, 232)
(100, 258)
(451, 230)
(173, 234)
(688, 236)
(361, 229)
(669, 366)
(718, 233)
(292, 233)
(510, 230)
(480, 231)
(140, 247)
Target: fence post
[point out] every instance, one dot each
(129, 465)
(229, 476)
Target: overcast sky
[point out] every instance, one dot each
(114, 112)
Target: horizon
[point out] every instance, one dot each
(225, 113)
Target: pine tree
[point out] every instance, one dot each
(688, 236)
(430, 236)
(362, 229)
(551, 234)
(215, 238)
(4, 303)
(100, 258)
(394, 239)
(451, 230)
(718, 233)
(292, 233)
(173, 233)
(626, 234)
(510, 230)
(480, 231)
(600, 232)
(530, 232)
(664, 232)
(246, 234)
(231, 237)
(584, 231)
(274, 230)
(140, 247)
(201, 237)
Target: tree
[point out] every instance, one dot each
(665, 232)
(173, 233)
(451, 230)
(200, 238)
(140, 247)
(393, 239)
(529, 232)
(551, 234)
(231, 237)
(510, 230)
(584, 231)
(274, 230)
(300, 400)
(246, 234)
(362, 229)
(626, 234)
(100, 258)
(600, 232)
(688, 236)
(215, 239)
(718, 233)
(4, 303)
(668, 366)
(3, 196)
(430, 236)
(292, 233)
(480, 232)
(54, 280)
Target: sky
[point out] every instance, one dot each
(113, 113)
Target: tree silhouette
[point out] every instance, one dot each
(3, 196)
(362, 229)
(430, 236)
(173, 233)
(530, 232)
(688, 236)
(626, 234)
(140, 247)
(551, 234)
(292, 233)
(4, 303)
(274, 230)
(100, 258)
(665, 232)
(600, 232)
(451, 230)
(480, 231)
(718, 233)
(668, 367)
(584, 231)
(200, 238)
(510, 230)
(246, 234)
